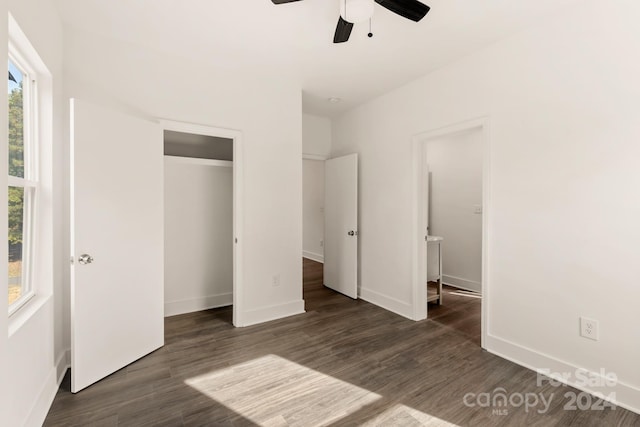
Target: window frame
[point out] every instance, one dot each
(30, 182)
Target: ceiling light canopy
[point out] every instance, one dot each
(356, 10)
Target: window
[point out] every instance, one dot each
(22, 180)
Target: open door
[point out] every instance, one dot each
(117, 241)
(341, 225)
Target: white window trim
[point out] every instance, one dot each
(39, 177)
(29, 182)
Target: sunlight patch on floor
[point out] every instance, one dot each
(469, 294)
(402, 415)
(272, 391)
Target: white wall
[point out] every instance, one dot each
(455, 168)
(313, 209)
(198, 234)
(562, 100)
(265, 108)
(316, 147)
(316, 135)
(34, 353)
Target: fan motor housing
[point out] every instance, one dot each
(356, 10)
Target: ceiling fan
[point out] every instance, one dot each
(352, 11)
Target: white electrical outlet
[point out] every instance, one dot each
(589, 328)
(276, 280)
(321, 243)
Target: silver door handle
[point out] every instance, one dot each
(85, 259)
(352, 233)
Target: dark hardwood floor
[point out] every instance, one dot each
(344, 362)
(460, 310)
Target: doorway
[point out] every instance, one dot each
(117, 237)
(313, 208)
(330, 220)
(451, 171)
(201, 184)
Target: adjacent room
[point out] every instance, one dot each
(453, 172)
(320, 212)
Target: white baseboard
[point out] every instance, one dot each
(172, 308)
(62, 364)
(459, 282)
(266, 314)
(626, 396)
(388, 303)
(43, 401)
(313, 256)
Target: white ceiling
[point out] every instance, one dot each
(295, 39)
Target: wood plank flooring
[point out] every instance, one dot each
(344, 362)
(461, 310)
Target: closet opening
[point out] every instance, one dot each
(200, 194)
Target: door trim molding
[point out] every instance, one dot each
(419, 225)
(238, 197)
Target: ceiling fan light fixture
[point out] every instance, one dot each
(334, 100)
(356, 10)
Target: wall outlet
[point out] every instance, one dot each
(322, 243)
(276, 280)
(589, 328)
(477, 209)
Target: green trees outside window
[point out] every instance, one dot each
(16, 194)
(16, 165)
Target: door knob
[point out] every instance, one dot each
(85, 259)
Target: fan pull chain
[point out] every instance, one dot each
(370, 33)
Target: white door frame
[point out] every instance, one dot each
(238, 192)
(419, 256)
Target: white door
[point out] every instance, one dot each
(341, 225)
(116, 241)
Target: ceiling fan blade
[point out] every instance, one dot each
(410, 9)
(343, 31)
(283, 1)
